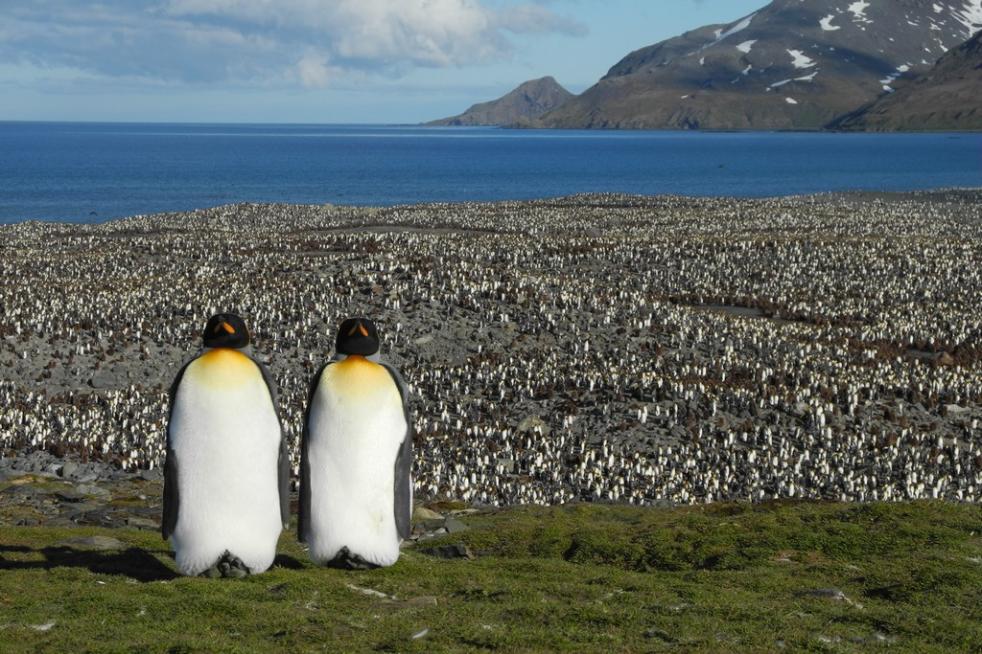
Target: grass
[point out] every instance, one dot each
(582, 578)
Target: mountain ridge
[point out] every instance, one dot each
(945, 98)
(527, 101)
(793, 64)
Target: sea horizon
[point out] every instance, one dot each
(88, 172)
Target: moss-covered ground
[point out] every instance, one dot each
(796, 576)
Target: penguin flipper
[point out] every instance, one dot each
(283, 480)
(403, 491)
(283, 463)
(404, 486)
(171, 492)
(171, 495)
(303, 514)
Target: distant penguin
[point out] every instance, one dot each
(355, 485)
(226, 476)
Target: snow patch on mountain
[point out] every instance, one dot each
(970, 16)
(901, 69)
(739, 27)
(799, 60)
(826, 24)
(746, 46)
(858, 10)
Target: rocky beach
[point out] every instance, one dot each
(659, 350)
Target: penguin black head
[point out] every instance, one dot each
(357, 336)
(226, 330)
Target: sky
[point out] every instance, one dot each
(314, 61)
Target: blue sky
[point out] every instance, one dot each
(316, 61)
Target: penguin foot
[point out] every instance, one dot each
(345, 560)
(229, 566)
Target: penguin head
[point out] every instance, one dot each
(226, 330)
(357, 336)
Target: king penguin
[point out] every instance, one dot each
(226, 475)
(356, 457)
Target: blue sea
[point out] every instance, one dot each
(91, 172)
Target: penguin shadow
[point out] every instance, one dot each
(135, 563)
(288, 562)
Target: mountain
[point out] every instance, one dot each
(948, 97)
(794, 64)
(530, 100)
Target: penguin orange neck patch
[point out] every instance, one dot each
(356, 374)
(223, 366)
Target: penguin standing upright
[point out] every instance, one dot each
(226, 476)
(355, 485)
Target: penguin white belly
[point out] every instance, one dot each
(225, 437)
(356, 425)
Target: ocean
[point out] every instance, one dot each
(92, 172)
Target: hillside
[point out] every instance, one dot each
(791, 576)
(794, 64)
(528, 101)
(948, 97)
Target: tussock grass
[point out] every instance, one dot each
(792, 576)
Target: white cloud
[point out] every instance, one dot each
(311, 43)
(385, 33)
(314, 71)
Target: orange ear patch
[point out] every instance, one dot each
(227, 327)
(361, 328)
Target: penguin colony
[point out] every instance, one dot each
(599, 348)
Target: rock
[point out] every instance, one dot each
(371, 592)
(103, 517)
(453, 525)
(97, 543)
(142, 523)
(92, 489)
(431, 525)
(423, 600)
(456, 551)
(42, 627)
(104, 379)
(945, 360)
(71, 495)
(422, 514)
(660, 635)
(68, 468)
(152, 475)
(831, 593)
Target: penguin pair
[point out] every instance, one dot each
(226, 475)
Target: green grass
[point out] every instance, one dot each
(582, 578)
